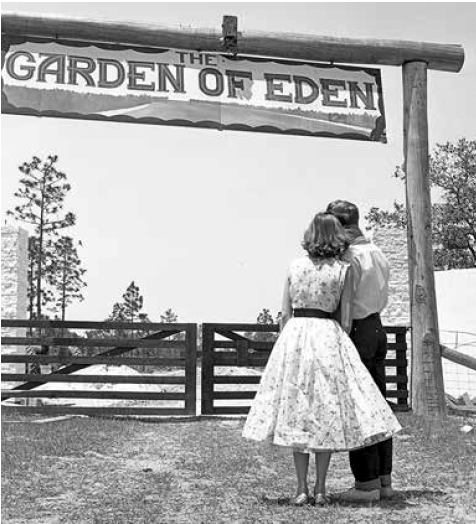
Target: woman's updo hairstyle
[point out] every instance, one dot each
(325, 237)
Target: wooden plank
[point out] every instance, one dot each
(207, 369)
(191, 370)
(394, 362)
(427, 373)
(445, 57)
(463, 409)
(228, 329)
(99, 412)
(238, 379)
(91, 361)
(230, 410)
(395, 379)
(110, 379)
(397, 346)
(121, 395)
(221, 395)
(252, 344)
(92, 342)
(230, 361)
(80, 324)
(392, 393)
(458, 357)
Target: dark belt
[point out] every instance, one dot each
(373, 316)
(312, 313)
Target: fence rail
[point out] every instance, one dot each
(249, 345)
(146, 352)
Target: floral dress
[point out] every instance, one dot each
(315, 393)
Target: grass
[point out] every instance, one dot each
(95, 471)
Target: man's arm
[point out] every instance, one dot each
(345, 316)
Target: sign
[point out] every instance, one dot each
(188, 88)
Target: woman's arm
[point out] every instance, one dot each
(345, 307)
(287, 309)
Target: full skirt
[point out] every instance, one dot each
(316, 394)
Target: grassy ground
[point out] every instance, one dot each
(86, 470)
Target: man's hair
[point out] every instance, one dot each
(346, 212)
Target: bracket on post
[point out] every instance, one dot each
(229, 37)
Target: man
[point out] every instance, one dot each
(371, 466)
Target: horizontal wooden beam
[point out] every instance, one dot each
(458, 358)
(119, 395)
(444, 57)
(83, 324)
(131, 343)
(96, 411)
(109, 379)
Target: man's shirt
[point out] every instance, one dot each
(370, 273)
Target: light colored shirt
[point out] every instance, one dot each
(370, 274)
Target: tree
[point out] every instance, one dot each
(129, 310)
(169, 317)
(264, 317)
(32, 279)
(43, 189)
(66, 274)
(452, 172)
(133, 302)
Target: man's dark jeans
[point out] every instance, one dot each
(372, 466)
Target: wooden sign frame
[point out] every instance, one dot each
(415, 58)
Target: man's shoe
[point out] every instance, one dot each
(387, 492)
(358, 495)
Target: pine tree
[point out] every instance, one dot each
(43, 189)
(133, 302)
(66, 274)
(169, 317)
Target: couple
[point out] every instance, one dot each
(323, 388)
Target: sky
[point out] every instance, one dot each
(206, 222)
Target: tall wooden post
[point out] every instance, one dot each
(427, 374)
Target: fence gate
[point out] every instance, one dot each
(149, 368)
(227, 389)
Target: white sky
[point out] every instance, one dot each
(206, 222)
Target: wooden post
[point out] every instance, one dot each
(207, 369)
(427, 374)
(191, 370)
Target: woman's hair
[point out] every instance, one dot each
(325, 237)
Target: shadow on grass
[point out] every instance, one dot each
(402, 500)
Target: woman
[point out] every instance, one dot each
(315, 395)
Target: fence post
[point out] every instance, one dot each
(191, 369)
(207, 369)
(400, 354)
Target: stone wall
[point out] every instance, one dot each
(393, 242)
(14, 287)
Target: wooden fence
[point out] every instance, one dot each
(147, 347)
(249, 346)
(142, 343)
